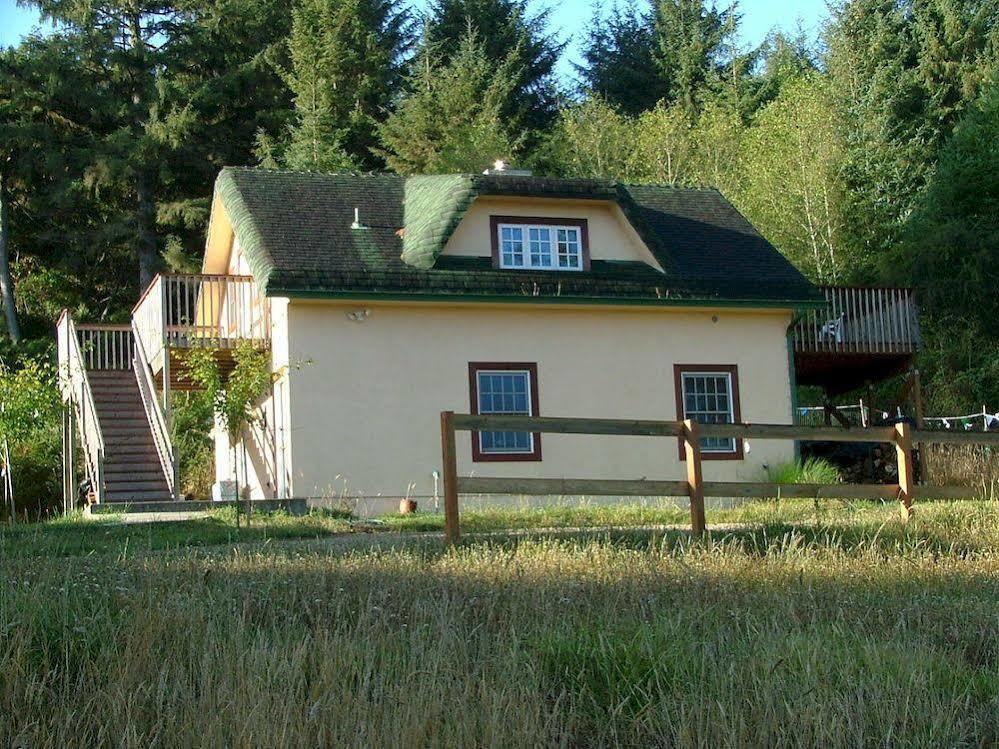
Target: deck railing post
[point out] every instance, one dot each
(449, 460)
(906, 473)
(695, 480)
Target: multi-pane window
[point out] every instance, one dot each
(540, 247)
(509, 390)
(708, 399)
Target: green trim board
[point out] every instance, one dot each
(526, 299)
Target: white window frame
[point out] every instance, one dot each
(530, 410)
(732, 446)
(554, 228)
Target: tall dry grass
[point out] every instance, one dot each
(834, 635)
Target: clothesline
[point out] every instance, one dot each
(966, 420)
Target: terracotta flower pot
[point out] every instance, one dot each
(407, 506)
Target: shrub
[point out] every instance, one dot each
(30, 439)
(809, 471)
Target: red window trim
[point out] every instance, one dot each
(580, 223)
(678, 371)
(473, 389)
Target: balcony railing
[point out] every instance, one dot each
(197, 310)
(861, 320)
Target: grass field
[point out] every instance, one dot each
(841, 629)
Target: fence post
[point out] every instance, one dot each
(695, 481)
(906, 472)
(449, 461)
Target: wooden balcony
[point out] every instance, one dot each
(862, 336)
(180, 312)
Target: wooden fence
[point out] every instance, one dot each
(902, 436)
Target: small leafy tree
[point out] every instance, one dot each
(232, 399)
(29, 411)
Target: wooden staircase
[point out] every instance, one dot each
(132, 469)
(116, 382)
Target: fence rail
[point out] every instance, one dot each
(902, 436)
(861, 320)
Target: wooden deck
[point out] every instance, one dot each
(863, 335)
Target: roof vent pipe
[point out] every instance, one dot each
(357, 219)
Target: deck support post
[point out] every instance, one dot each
(906, 472)
(695, 480)
(449, 461)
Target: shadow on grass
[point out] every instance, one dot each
(111, 536)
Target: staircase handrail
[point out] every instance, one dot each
(154, 414)
(75, 386)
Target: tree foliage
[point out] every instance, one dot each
(453, 120)
(29, 428)
(346, 61)
(511, 38)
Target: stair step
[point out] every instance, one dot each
(130, 449)
(161, 495)
(138, 472)
(127, 485)
(109, 421)
(113, 426)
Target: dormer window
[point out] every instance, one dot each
(529, 243)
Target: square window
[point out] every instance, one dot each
(506, 389)
(708, 397)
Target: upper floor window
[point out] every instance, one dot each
(540, 244)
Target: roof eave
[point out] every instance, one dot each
(789, 304)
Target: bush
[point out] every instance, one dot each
(809, 471)
(30, 439)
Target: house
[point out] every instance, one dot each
(384, 300)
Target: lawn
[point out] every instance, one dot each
(839, 629)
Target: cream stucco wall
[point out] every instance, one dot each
(364, 406)
(611, 236)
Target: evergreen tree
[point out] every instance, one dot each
(346, 58)
(453, 120)
(692, 45)
(950, 249)
(902, 72)
(509, 36)
(618, 60)
(178, 90)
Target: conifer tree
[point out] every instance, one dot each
(902, 72)
(509, 35)
(177, 91)
(345, 65)
(618, 63)
(692, 43)
(453, 120)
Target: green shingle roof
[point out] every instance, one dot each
(296, 231)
